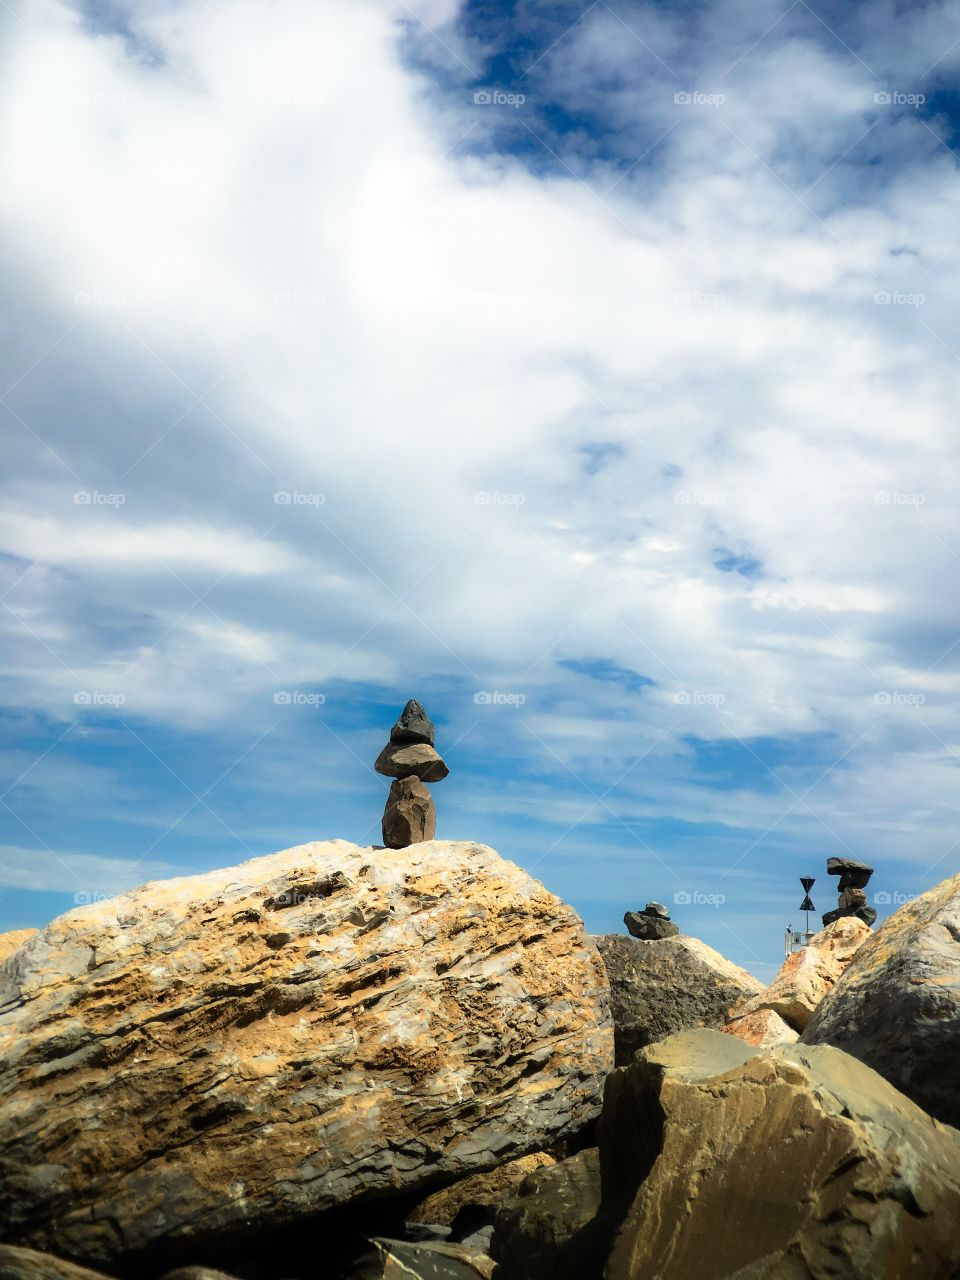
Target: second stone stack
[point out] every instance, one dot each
(411, 759)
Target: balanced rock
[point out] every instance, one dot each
(406, 759)
(480, 1189)
(658, 988)
(413, 725)
(807, 975)
(649, 927)
(13, 941)
(762, 1028)
(840, 1176)
(215, 1053)
(853, 873)
(897, 1006)
(410, 816)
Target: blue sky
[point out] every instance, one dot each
(600, 358)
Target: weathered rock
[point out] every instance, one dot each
(762, 1028)
(649, 928)
(807, 975)
(27, 1264)
(410, 816)
(660, 987)
(866, 914)
(852, 899)
(405, 1260)
(14, 940)
(853, 873)
(406, 759)
(169, 1072)
(549, 1229)
(489, 1188)
(897, 1006)
(413, 725)
(656, 909)
(841, 1176)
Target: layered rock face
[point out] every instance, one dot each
(658, 987)
(797, 1162)
(216, 1053)
(897, 1006)
(13, 941)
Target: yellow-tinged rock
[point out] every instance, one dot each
(14, 940)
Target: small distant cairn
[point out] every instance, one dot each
(854, 877)
(651, 924)
(411, 760)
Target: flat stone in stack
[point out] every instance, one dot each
(411, 760)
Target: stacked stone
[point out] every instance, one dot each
(854, 877)
(411, 759)
(651, 924)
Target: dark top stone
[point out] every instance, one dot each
(413, 725)
(855, 873)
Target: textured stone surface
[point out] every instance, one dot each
(410, 816)
(405, 759)
(13, 941)
(488, 1188)
(649, 928)
(274, 1039)
(549, 1229)
(897, 1006)
(413, 725)
(763, 1028)
(402, 1260)
(660, 987)
(807, 975)
(27, 1264)
(797, 1163)
(852, 872)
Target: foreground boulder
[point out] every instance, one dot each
(27, 1264)
(549, 1230)
(13, 941)
(840, 1175)
(808, 974)
(241, 1048)
(667, 985)
(897, 1007)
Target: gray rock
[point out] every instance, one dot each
(797, 1163)
(660, 987)
(26, 1264)
(656, 909)
(853, 873)
(413, 725)
(549, 1230)
(410, 816)
(897, 1006)
(649, 928)
(867, 914)
(411, 759)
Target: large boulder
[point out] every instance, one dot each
(667, 985)
(219, 1052)
(897, 1006)
(794, 1162)
(808, 974)
(13, 941)
(761, 1028)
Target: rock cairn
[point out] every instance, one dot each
(650, 924)
(411, 759)
(854, 877)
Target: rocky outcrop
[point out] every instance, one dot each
(841, 1176)
(549, 1229)
(668, 985)
(897, 1006)
(13, 941)
(219, 1052)
(762, 1028)
(807, 975)
(480, 1189)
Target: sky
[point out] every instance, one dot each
(587, 372)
